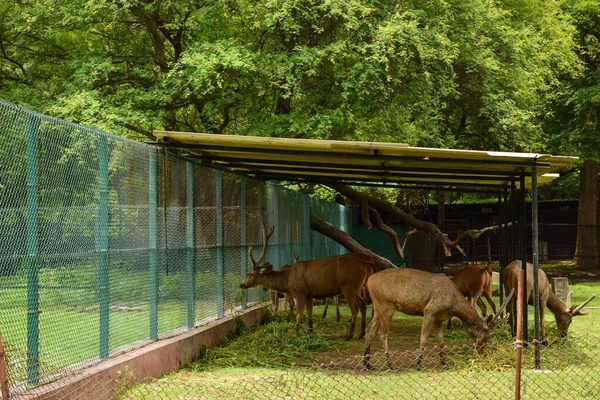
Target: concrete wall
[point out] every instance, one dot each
(162, 357)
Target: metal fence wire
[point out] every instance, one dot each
(569, 371)
(107, 244)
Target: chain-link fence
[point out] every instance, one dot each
(107, 244)
(569, 370)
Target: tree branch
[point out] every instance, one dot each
(325, 228)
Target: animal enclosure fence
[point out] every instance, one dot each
(107, 244)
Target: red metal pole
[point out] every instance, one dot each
(3, 376)
(519, 342)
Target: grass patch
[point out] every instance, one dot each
(271, 361)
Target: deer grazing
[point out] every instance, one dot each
(416, 292)
(471, 280)
(324, 277)
(563, 313)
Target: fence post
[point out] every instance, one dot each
(342, 224)
(152, 243)
(274, 219)
(102, 243)
(189, 259)
(519, 339)
(33, 367)
(219, 211)
(261, 209)
(243, 222)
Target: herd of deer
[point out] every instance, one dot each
(436, 297)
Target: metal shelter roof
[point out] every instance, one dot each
(364, 163)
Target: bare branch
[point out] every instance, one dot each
(387, 230)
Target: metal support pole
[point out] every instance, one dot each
(31, 153)
(263, 214)
(523, 249)
(152, 242)
(519, 342)
(102, 243)
(342, 225)
(190, 248)
(501, 244)
(534, 246)
(243, 236)
(513, 216)
(220, 255)
(3, 374)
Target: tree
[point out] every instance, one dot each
(574, 123)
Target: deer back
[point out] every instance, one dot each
(325, 277)
(471, 279)
(415, 292)
(510, 278)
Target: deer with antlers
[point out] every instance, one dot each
(563, 313)
(324, 277)
(433, 296)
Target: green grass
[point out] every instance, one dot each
(271, 361)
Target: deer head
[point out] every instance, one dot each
(564, 319)
(253, 277)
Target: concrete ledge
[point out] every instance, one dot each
(103, 380)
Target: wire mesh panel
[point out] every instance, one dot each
(107, 244)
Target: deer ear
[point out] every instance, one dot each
(268, 267)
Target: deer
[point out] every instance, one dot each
(323, 277)
(563, 313)
(433, 296)
(470, 280)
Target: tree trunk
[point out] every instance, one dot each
(586, 250)
(325, 228)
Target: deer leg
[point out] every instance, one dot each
(363, 315)
(337, 308)
(299, 310)
(351, 301)
(543, 325)
(482, 307)
(290, 301)
(428, 324)
(490, 300)
(373, 327)
(325, 309)
(439, 332)
(309, 310)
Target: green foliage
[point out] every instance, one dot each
(443, 74)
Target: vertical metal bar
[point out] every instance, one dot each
(274, 219)
(190, 248)
(220, 255)
(519, 339)
(523, 248)
(534, 246)
(263, 214)
(342, 221)
(3, 374)
(102, 243)
(33, 367)
(152, 242)
(501, 244)
(513, 215)
(243, 236)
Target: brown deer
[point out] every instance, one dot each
(563, 313)
(416, 292)
(472, 279)
(324, 277)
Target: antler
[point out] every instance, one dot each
(296, 259)
(569, 299)
(494, 321)
(266, 237)
(577, 310)
(474, 302)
